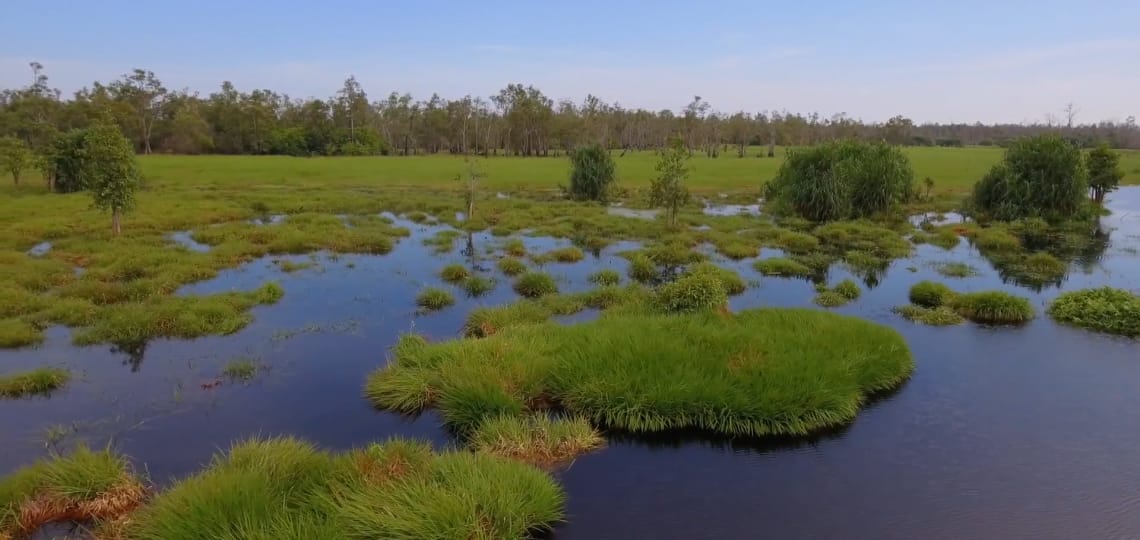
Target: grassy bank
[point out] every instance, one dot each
(760, 372)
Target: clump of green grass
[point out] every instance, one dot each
(945, 238)
(605, 277)
(443, 241)
(738, 250)
(848, 289)
(699, 291)
(177, 317)
(731, 281)
(797, 242)
(782, 267)
(1038, 268)
(993, 307)
(241, 369)
(434, 299)
(563, 255)
(16, 333)
(955, 269)
(840, 295)
(830, 299)
(511, 266)
(536, 439)
(1104, 309)
(818, 261)
(996, 239)
(286, 488)
(486, 321)
(454, 273)
(611, 296)
(515, 248)
(563, 304)
(478, 286)
(642, 269)
(759, 372)
(83, 486)
(863, 236)
(535, 284)
(418, 217)
(939, 316)
(931, 294)
(34, 382)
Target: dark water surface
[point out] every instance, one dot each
(1025, 432)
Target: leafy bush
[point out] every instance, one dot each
(1104, 309)
(1104, 171)
(842, 180)
(591, 173)
(930, 294)
(535, 284)
(694, 292)
(1042, 176)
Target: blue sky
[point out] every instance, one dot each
(963, 60)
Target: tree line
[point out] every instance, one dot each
(519, 120)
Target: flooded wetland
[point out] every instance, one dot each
(999, 430)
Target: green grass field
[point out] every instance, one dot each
(954, 170)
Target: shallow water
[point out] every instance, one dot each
(711, 209)
(40, 249)
(1001, 432)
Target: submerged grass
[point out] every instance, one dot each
(241, 369)
(80, 487)
(782, 267)
(840, 295)
(955, 269)
(536, 439)
(287, 489)
(34, 382)
(759, 372)
(1104, 309)
(939, 316)
(605, 277)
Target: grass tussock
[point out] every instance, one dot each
(759, 372)
(477, 286)
(782, 267)
(642, 269)
(84, 486)
(700, 291)
(562, 255)
(286, 488)
(454, 273)
(1104, 309)
(731, 281)
(511, 266)
(515, 248)
(15, 333)
(605, 277)
(930, 294)
(840, 295)
(994, 307)
(40, 381)
(939, 316)
(536, 439)
(434, 299)
(535, 284)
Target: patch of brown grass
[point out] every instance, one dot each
(113, 504)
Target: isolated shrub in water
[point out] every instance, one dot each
(1104, 171)
(699, 291)
(842, 180)
(1105, 309)
(591, 173)
(1042, 176)
(930, 294)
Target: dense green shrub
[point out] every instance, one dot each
(930, 294)
(591, 173)
(842, 180)
(1104, 171)
(1041, 176)
(1113, 311)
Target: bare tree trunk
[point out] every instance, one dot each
(116, 226)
